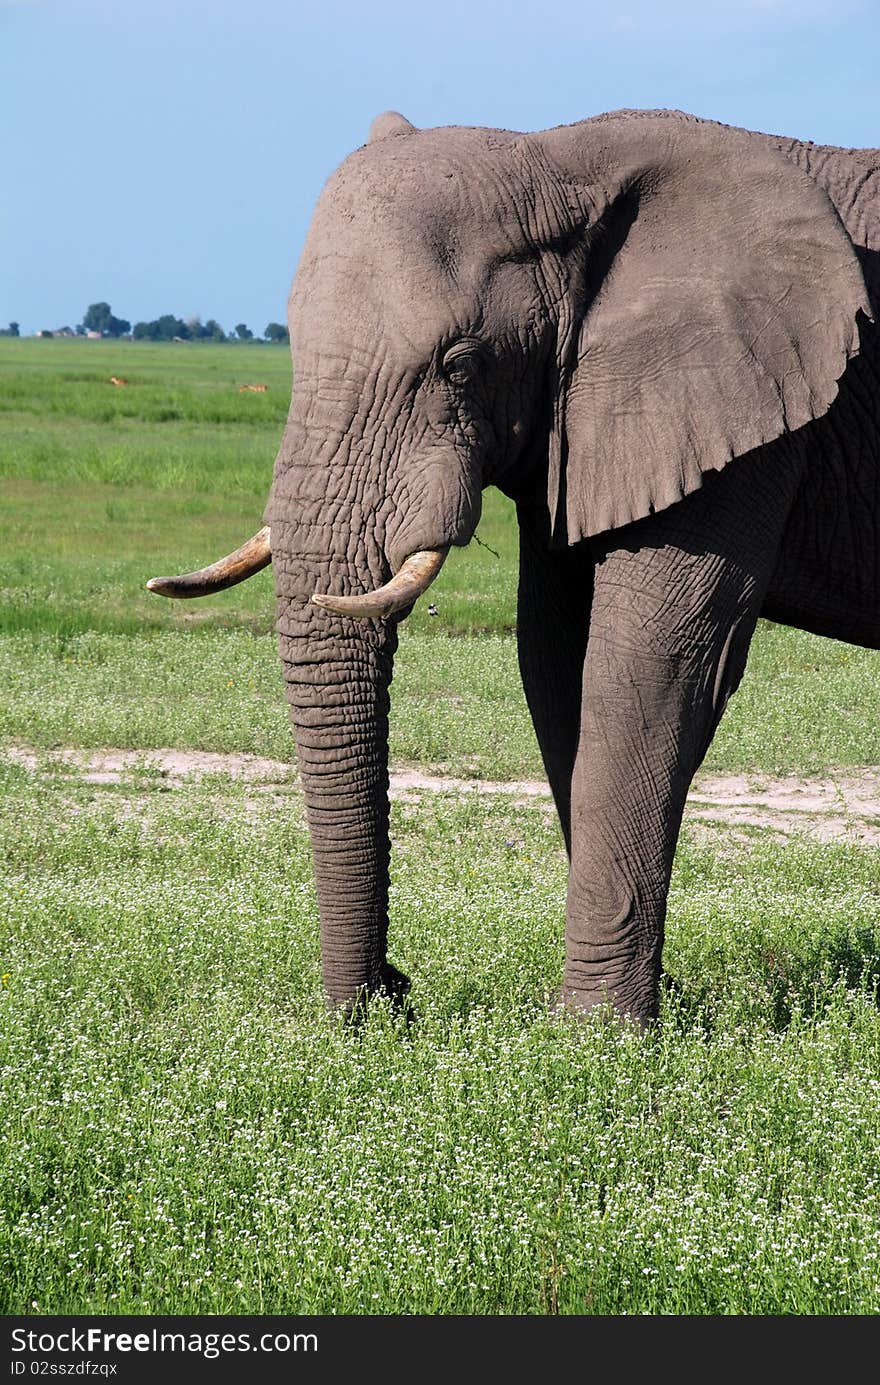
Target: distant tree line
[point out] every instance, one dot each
(98, 318)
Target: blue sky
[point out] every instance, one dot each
(165, 155)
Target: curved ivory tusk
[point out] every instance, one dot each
(414, 577)
(226, 572)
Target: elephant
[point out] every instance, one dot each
(657, 335)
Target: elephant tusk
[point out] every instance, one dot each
(414, 577)
(226, 572)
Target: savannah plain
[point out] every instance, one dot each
(186, 1130)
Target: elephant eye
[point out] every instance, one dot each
(462, 360)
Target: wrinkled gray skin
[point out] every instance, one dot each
(653, 333)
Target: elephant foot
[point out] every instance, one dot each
(604, 1006)
(670, 985)
(392, 984)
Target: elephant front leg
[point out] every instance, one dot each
(644, 726)
(673, 615)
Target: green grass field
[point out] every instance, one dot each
(185, 1129)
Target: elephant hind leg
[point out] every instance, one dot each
(674, 609)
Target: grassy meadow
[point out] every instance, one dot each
(186, 1130)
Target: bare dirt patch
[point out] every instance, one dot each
(841, 806)
(175, 766)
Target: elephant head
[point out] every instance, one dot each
(591, 318)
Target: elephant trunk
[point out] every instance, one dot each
(337, 673)
(364, 505)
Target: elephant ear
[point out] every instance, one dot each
(711, 307)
